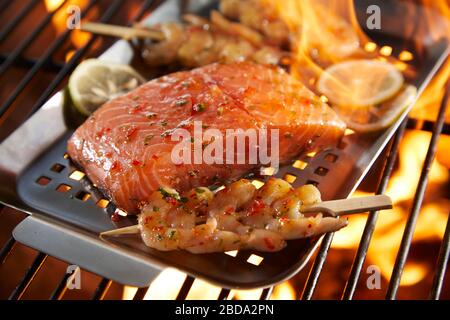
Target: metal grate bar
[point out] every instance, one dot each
(187, 284)
(28, 277)
(19, 17)
(319, 262)
(61, 288)
(316, 269)
(149, 4)
(267, 292)
(140, 293)
(43, 60)
(102, 289)
(426, 125)
(417, 202)
(28, 63)
(71, 64)
(29, 40)
(224, 294)
(369, 228)
(4, 5)
(6, 250)
(442, 262)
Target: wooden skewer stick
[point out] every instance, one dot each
(333, 208)
(122, 231)
(126, 33)
(337, 208)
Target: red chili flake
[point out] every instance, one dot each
(135, 162)
(309, 226)
(257, 206)
(155, 157)
(305, 101)
(171, 201)
(250, 91)
(115, 165)
(108, 154)
(131, 132)
(147, 220)
(115, 217)
(229, 210)
(158, 228)
(269, 244)
(284, 219)
(102, 132)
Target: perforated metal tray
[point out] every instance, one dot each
(67, 214)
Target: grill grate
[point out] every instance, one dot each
(45, 62)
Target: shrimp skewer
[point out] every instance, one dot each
(237, 217)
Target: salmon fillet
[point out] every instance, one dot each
(125, 147)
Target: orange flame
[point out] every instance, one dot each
(77, 37)
(390, 226)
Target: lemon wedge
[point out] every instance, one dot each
(360, 83)
(95, 82)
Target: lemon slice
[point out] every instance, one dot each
(360, 83)
(95, 82)
(377, 117)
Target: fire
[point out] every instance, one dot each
(388, 233)
(168, 284)
(437, 27)
(59, 21)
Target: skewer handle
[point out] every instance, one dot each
(126, 33)
(350, 206)
(127, 230)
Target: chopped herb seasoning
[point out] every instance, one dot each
(164, 123)
(288, 135)
(150, 115)
(148, 138)
(172, 234)
(172, 198)
(155, 209)
(199, 190)
(180, 103)
(159, 237)
(184, 199)
(199, 107)
(219, 111)
(166, 134)
(193, 173)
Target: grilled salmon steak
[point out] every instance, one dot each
(126, 146)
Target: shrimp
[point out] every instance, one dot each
(234, 218)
